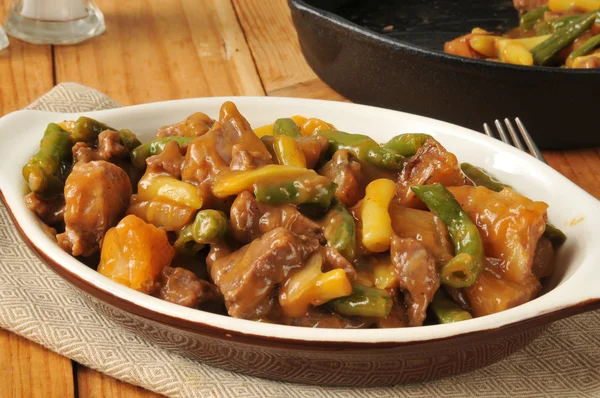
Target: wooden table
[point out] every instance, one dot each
(163, 50)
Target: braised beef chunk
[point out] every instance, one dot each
(195, 125)
(432, 163)
(345, 171)
(96, 195)
(183, 287)
(397, 318)
(524, 6)
(170, 160)
(50, 211)
(317, 317)
(109, 148)
(313, 147)
(230, 142)
(417, 277)
(250, 219)
(334, 260)
(233, 129)
(248, 277)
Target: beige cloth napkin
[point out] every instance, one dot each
(39, 305)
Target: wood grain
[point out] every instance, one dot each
(29, 370)
(92, 384)
(271, 36)
(155, 51)
(163, 50)
(159, 50)
(25, 71)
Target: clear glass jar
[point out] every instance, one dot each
(54, 21)
(3, 39)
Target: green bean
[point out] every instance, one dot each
(364, 148)
(209, 227)
(446, 310)
(340, 231)
(143, 152)
(586, 48)
(481, 178)
(555, 235)
(406, 144)
(464, 268)
(87, 130)
(129, 140)
(286, 126)
(363, 301)
(307, 189)
(46, 171)
(543, 28)
(561, 22)
(545, 51)
(529, 19)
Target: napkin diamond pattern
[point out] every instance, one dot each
(39, 305)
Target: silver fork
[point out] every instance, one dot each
(514, 139)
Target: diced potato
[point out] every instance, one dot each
(376, 222)
(165, 214)
(134, 253)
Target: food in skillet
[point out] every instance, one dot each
(294, 223)
(562, 33)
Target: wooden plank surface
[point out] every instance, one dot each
(163, 50)
(156, 51)
(92, 384)
(160, 50)
(27, 369)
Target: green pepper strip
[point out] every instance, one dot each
(143, 152)
(464, 268)
(446, 310)
(529, 19)
(340, 231)
(309, 189)
(286, 126)
(481, 178)
(45, 172)
(546, 50)
(555, 235)
(586, 48)
(363, 301)
(87, 130)
(129, 140)
(406, 144)
(364, 148)
(209, 227)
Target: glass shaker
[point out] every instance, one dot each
(3, 39)
(54, 21)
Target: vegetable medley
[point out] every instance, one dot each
(550, 33)
(294, 223)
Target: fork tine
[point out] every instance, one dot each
(488, 130)
(514, 135)
(503, 136)
(529, 141)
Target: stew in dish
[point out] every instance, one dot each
(294, 223)
(562, 33)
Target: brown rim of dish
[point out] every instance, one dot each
(235, 336)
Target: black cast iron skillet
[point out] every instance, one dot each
(404, 68)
